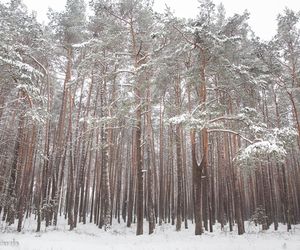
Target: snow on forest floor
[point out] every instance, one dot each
(89, 237)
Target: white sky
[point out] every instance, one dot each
(262, 19)
(263, 13)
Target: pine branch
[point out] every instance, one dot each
(186, 38)
(230, 132)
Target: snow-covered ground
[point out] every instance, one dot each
(89, 237)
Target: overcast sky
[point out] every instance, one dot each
(262, 20)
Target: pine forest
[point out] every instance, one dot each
(114, 113)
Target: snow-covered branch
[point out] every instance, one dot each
(230, 132)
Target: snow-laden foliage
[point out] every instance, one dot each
(37, 116)
(21, 54)
(260, 151)
(273, 145)
(190, 121)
